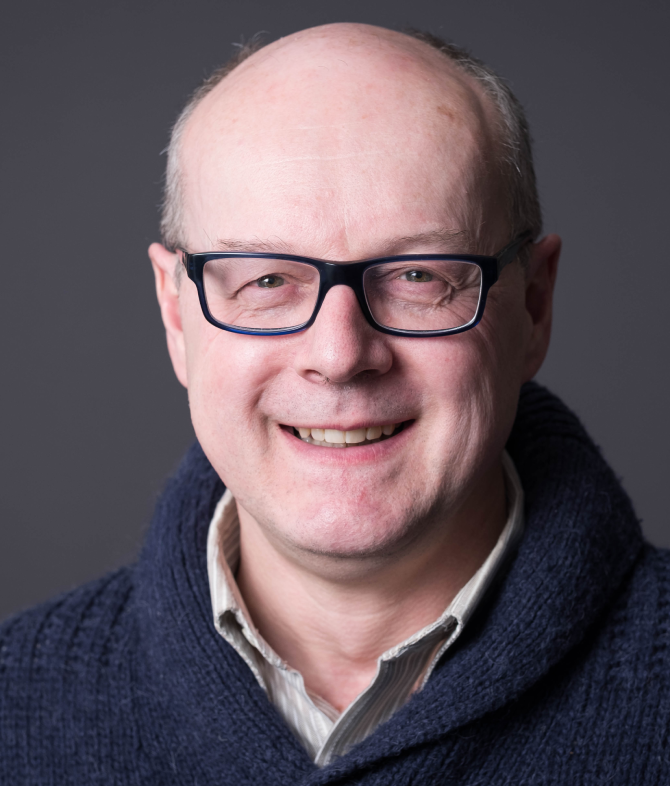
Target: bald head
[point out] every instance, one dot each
(336, 122)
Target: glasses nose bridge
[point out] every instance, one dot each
(348, 274)
(339, 273)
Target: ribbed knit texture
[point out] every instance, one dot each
(562, 677)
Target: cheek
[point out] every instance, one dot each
(227, 376)
(458, 395)
(472, 383)
(499, 345)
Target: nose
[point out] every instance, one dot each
(341, 345)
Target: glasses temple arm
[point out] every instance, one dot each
(510, 252)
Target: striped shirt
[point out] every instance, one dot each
(325, 732)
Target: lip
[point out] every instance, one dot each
(366, 424)
(356, 454)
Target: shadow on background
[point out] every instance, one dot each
(92, 419)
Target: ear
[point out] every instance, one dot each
(164, 263)
(540, 280)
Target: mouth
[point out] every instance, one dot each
(335, 438)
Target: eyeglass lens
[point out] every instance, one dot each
(276, 294)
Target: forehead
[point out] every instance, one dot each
(325, 143)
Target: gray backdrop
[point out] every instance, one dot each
(92, 419)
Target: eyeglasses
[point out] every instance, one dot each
(406, 295)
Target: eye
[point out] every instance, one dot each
(417, 276)
(270, 282)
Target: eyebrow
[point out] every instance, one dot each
(440, 240)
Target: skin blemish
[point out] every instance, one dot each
(444, 110)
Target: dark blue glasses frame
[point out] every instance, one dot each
(350, 274)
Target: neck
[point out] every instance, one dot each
(331, 619)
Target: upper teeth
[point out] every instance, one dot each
(334, 436)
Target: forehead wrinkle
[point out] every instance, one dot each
(446, 238)
(338, 157)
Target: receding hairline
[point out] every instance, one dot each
(256, 55)
(350, 37)
(509, 131)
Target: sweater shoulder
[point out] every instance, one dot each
(634, 633)
(50, 649)
(66, 676)
(56, 625)
(650, 578)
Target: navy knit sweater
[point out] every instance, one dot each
(562, 677)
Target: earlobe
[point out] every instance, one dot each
(167, 291)
(540, 282)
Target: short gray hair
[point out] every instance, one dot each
(516, 163)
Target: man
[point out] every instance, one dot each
(354, 291)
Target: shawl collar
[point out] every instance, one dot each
(581, 539)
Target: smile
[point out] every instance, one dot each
(334, 438)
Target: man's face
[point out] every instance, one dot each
(339, 151)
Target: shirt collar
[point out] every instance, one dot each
(223, 554)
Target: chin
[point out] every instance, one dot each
(345, 532)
